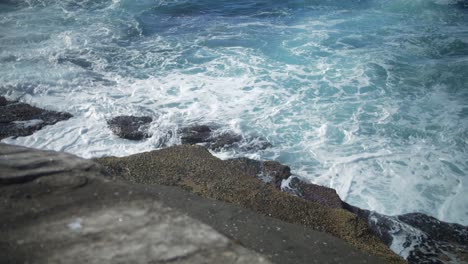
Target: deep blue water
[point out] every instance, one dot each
(368, 97)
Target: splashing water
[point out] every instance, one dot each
(367, 97)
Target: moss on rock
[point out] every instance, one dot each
(195, 169)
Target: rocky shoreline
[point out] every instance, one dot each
(241, 202)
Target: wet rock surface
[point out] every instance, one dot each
(195, 134)
(440, 241)
(422, 238)
(216, 139)
(130, 127)
(319, 194)
(268, 171)
(21, 119)
(419, 237)
(194, 168)
(77, 214)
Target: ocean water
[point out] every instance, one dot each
(368, 97)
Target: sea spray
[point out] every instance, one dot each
(367, 97)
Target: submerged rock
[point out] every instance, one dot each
(194, 168)
(130, 127)
(21, 119)
(76, 61)
(216, 139)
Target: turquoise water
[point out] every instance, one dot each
(367, 97)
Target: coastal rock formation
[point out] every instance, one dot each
(236, 181)
(21, 119)
(312, 192)
(194, 168)
(268, 171)
(217, 139)
(130, 127)
(418, 237)
(58, 208)
(422, 238)
(65, 211)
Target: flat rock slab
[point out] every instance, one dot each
(60, 218)
(56, 218)
(279, 241)
(20, 119)
(130, 127)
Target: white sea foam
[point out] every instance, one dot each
(350, 98)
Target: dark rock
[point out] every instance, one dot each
(436, 229)
(20, 119)
(19, 112)
(195, 134)
(194, 168)
(422, 238)
(224, 141)
(278, 171)
(384, 226)
(130, 127)
(268, 171)
(76, 61)
(462, 4)
(3, 101)
(445, 242)
(216, 140)
(319, 194)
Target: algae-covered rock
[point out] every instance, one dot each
(195, 169)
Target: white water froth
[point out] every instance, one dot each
(341, 108)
